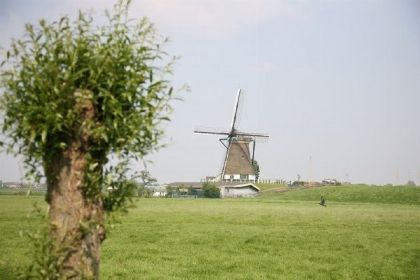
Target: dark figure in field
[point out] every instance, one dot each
(322, 202)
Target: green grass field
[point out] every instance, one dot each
(271, 187)
(363, 233)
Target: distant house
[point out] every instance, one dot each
(227, 189)
(211, 179)
(242, 190)
(159, 194)
(13, 184)
(333, 182)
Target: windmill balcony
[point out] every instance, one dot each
(241, 178)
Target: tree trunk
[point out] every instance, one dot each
(76, 221)
(76, 218)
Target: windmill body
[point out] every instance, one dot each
(238, 162)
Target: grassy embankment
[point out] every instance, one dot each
(363, 233)
(352, 194)
(271, 187)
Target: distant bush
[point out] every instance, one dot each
(174, 191)
(210, 190)
(143, 191)
(411, 183)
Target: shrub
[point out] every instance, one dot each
(210, 190)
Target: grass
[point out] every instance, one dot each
(353, 193)
(14, 220)
(267, 187)
(359, 235)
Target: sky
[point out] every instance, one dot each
(335, 84)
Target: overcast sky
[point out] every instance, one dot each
(336, 84)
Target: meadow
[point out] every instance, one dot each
(364, 233)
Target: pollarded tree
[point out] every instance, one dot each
(74, 96)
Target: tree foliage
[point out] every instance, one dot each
(256, 167)
(146, 178)
(79, 103)
(211, 190)
(118, 68)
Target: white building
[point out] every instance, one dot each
(159, 194)
(243, 190)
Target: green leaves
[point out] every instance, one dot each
(115, 63)
(43, 136)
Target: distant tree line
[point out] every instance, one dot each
(208, 189)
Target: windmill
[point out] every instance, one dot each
(238, 162)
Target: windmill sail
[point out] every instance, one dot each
(235, 111)
(211, 132)
(237, 164)
(225, 161)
